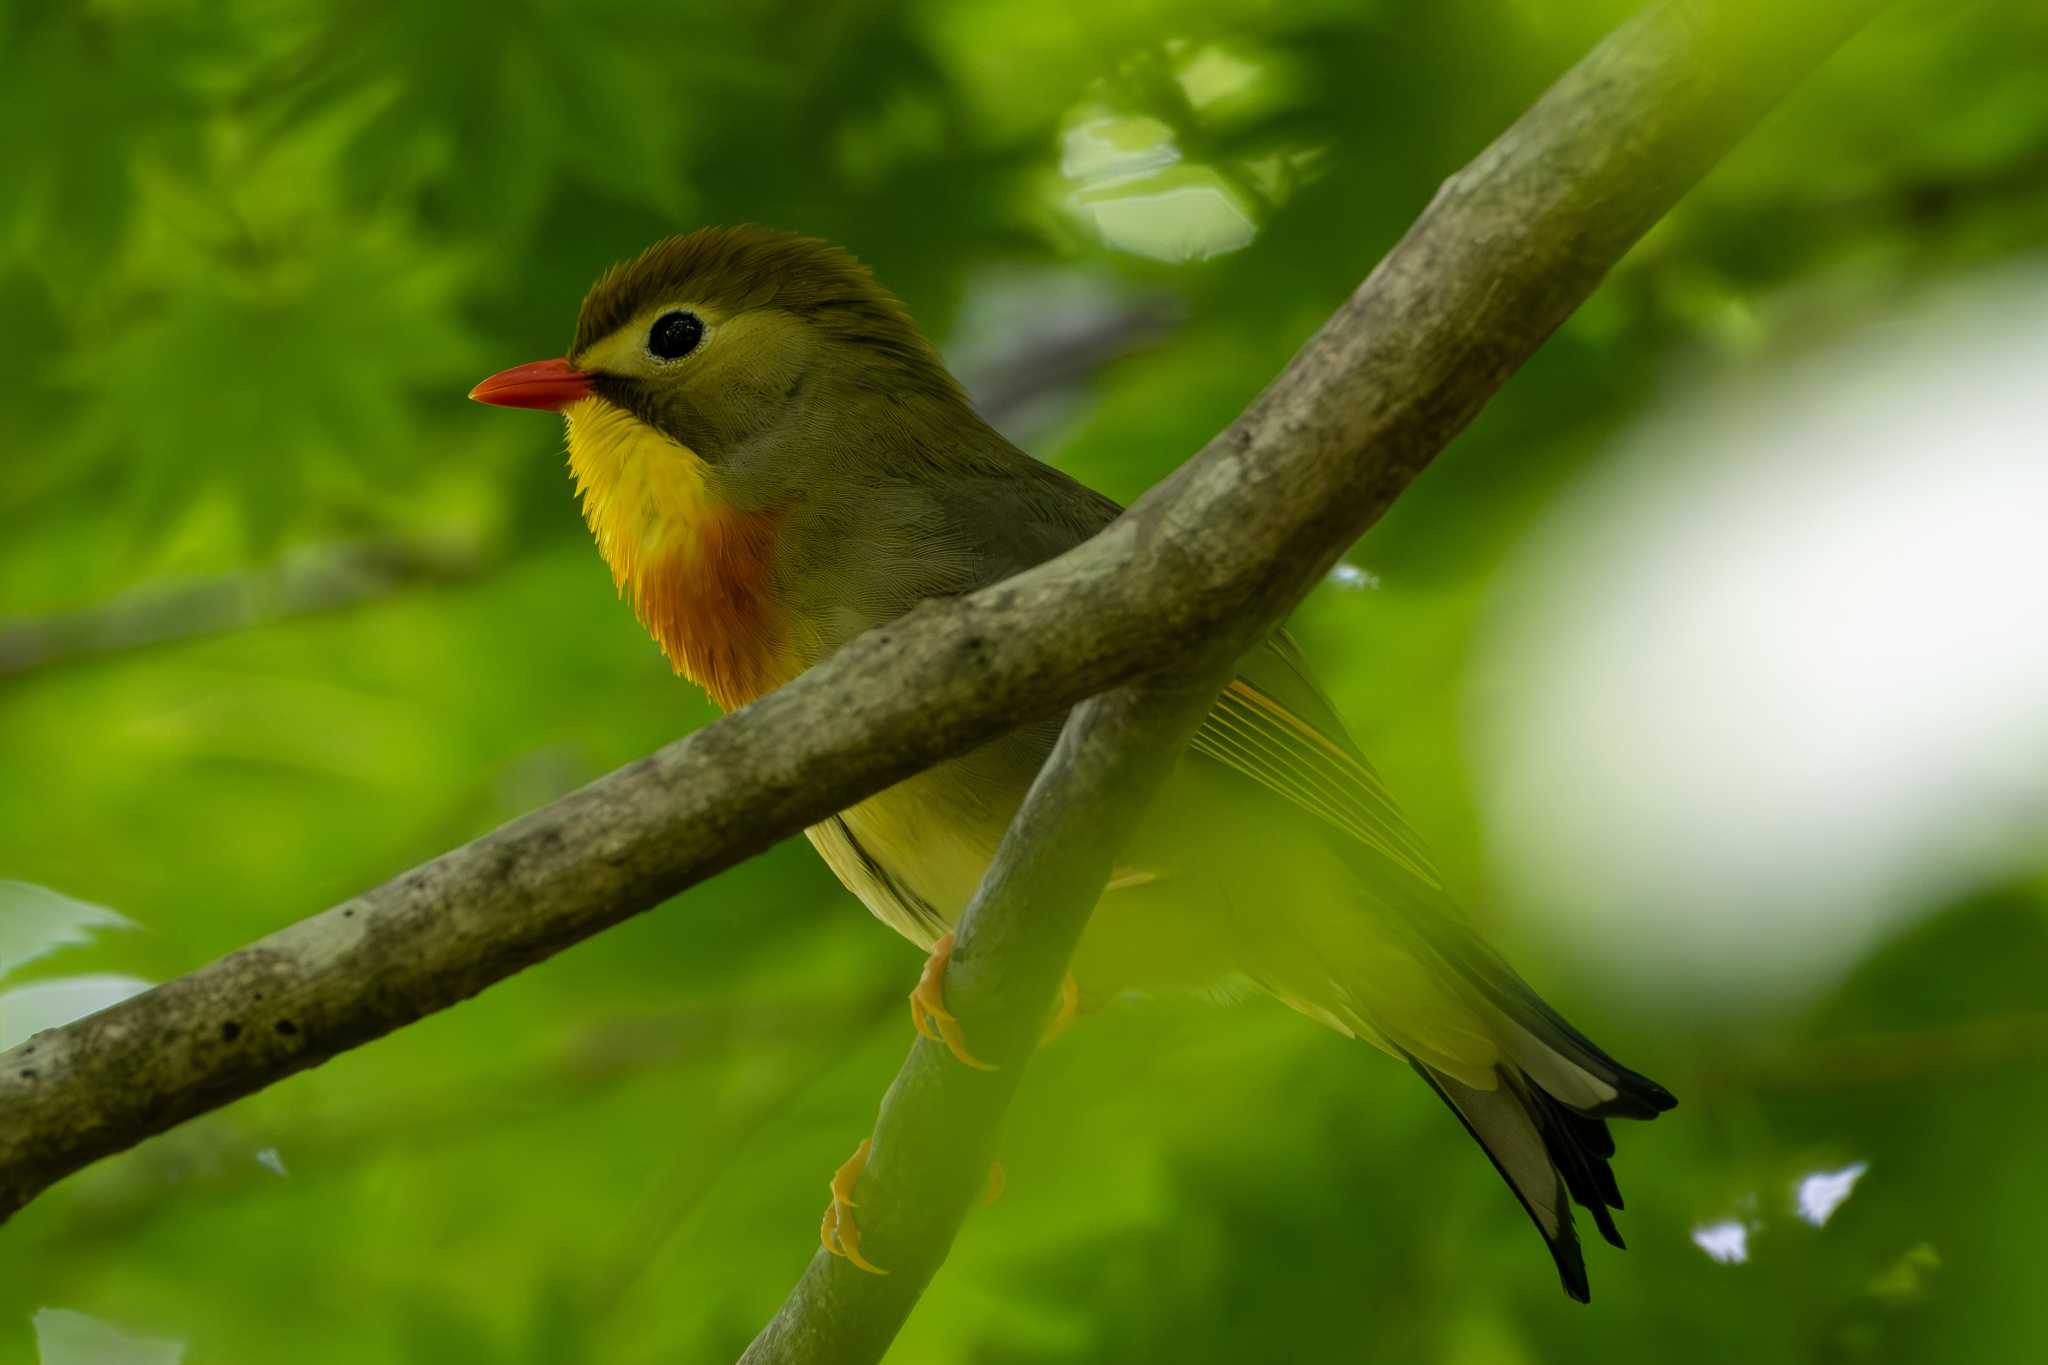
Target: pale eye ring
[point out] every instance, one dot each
(675, 334)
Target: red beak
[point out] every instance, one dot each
(550, 384)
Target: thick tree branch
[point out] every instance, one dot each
(1509, 246)
(936, 1135)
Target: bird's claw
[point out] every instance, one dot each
(838, 1233)
(1064, 1013)
(928, 1012)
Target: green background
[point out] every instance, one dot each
(253, 253)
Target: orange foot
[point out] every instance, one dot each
(1064, 1013)
(928, 1012)
(839, 1234)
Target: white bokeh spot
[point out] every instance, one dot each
(1773, 680)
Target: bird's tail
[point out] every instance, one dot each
(1540, 1109)
(1534, 1092)
(1553, 1149)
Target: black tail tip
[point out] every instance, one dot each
(1571, 1271)
(1639, 1098)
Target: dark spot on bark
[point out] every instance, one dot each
(28, 1073)
(287, 1027)
(348, 914)
(230, 1031)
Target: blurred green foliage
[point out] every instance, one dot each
(253, 252)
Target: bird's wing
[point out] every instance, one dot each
(888, 897)
(1273, 725)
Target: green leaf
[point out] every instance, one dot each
(36, 921)
(27, 1010)
(67, 1338)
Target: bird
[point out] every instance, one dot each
(773, 459)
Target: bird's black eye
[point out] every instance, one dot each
(675, 335)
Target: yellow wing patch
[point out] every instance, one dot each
(1259, 737)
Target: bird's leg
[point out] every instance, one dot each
(1064, 1013)
(928, 1012)
(838, 1232)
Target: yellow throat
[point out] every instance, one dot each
(699, 573)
